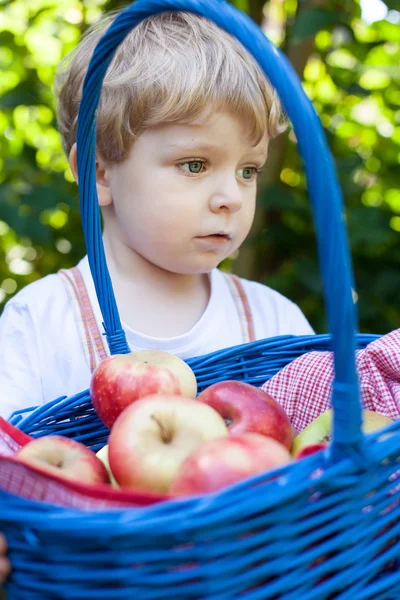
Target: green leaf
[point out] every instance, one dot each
(277, 197)
(24, 93)
(392, 4)
(311, 21)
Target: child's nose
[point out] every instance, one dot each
(227, 197)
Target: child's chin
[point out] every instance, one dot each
(198, 269)
(198, 265)
(206, 266)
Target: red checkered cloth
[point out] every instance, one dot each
(303, 387)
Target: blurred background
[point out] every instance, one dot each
(347, 53)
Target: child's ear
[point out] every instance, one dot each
(102, 179)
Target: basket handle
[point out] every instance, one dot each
(324, 190)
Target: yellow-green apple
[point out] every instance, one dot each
(319, 431)
(152, 436)
(102, 454)
(122, 379)
(246, 408)
(224, 461)
(64, 457)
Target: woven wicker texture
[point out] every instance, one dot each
(322, 528)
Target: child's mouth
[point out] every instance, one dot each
(215, 239)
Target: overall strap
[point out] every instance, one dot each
(91, 338)
(242, 305)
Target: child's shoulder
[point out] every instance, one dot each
(41, 297)
(274, 313)
(39, 315)
(262, 290)
(262, 296)
(259, 292)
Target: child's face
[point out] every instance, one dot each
(184, 199)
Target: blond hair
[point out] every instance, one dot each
(174, 67)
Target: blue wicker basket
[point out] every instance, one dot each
(322, 528)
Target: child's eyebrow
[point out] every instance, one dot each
(262, 157)
(205, 147)
(194, 145)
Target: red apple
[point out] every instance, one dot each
(124, 378)
(224, 461)
(246, 408)
(64, 457)
(152, 436)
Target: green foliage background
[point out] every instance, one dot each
(351, 72)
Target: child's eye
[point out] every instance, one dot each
(192, 167)
(248, 173)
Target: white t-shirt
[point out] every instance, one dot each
(41, 354)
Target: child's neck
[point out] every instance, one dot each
(151, 300)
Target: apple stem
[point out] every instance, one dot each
(165, 434)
